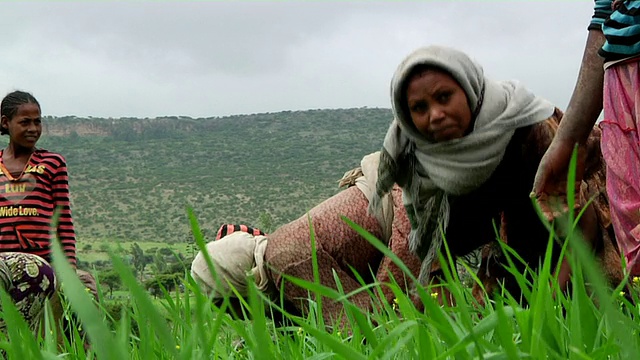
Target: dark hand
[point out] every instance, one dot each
(550, 184)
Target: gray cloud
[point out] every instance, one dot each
(217, 58)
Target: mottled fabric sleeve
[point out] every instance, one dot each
(399, 245)
(66, 230)
(339, 251)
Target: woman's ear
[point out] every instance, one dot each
(4, 120)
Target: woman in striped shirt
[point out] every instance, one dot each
(33, 186)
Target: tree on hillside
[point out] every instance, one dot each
(111, 279)
(139, 259)
(160, 262)
(265, 222)
(162, 282)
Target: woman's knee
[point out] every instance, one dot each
(31, 273)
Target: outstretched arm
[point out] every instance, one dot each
(584, 108)
(586, 101)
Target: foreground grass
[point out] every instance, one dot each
(589, 323)
(592, 322)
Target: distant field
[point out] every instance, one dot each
(133, 179)
(96, 250)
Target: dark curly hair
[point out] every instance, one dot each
(10, 104)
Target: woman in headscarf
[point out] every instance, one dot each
(465, 150)
(240, 253)
(339, 248)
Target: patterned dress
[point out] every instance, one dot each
(29, 280)
(339, 248)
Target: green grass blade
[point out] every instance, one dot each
(145, 306)
(101, 338)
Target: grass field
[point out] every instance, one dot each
(593, 321)
(590, 323)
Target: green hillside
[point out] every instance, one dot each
(132, 179)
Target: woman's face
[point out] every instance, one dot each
(438, 106)
(25, 127)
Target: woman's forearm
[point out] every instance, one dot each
(586, 101)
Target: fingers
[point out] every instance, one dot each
(548, 214)
(555, 207)
(540, 180)
(559, 206)
(546, 209)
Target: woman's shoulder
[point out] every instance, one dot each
(44, 155)
(545, 130)
(534, 140)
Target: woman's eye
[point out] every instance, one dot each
(418, 108)
(444, 97)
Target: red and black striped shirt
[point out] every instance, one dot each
(28, 203)
(228, 229)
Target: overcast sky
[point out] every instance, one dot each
(206, 58)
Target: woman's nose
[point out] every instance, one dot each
(436, 115)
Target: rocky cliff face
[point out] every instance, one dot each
(76, 126)
(58, 128)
